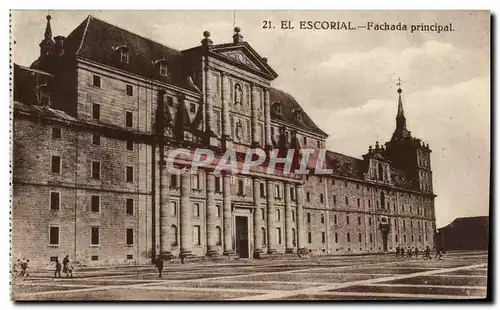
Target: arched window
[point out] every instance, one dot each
(382, 199)
(173, 235)
(218, 235)
(263, 231)
(380, 172)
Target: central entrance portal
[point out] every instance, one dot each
(242, 236)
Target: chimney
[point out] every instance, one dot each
(59, 46)
(237, 37)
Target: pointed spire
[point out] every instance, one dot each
(47, 44)
(48, 29)
(401, 131)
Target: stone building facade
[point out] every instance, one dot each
(96, 115)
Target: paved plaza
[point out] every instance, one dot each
(461, 275)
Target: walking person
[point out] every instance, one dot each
(428, 252)
(402, 252)
(58, 269)
(65, 263)
(69, 268)
(397, 251)
(410, 252)
(416, 252)
(24, 268)
(159, 266)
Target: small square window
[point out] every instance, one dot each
(130, 206)
(130, 174)
(130, 256)
(95, 203)
(56, 164)
(129, 119)
(130, 90)
(130, 144)
(96, 139)
(56, 133)
(96, 81)
(55, 201)
(94, 257)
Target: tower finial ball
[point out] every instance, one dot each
(400, 90)
(206, 34)
(237, 29)
(48, 17)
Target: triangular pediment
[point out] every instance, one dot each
(243, 54)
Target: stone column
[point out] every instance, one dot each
(288, 221)
(257, 218)
(227, 218)
(164, 210)
(255, 127)
(271, 225)
(209, 108)
(267, 118)
(300, 219)
(186, 229)
(211, 215)
(225, 106)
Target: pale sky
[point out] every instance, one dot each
(345, 80)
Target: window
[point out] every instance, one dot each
(278, 234)
(359, 237)
(334, 199)
(218, 236)
(124, 56)
(262, 190)
(240, 187)
(96, 139)
(404, 238)
(412, 238)
(320, 180)
(359, 202)
(318, 143)
(163, 69)
(380, 172)
(309, 237)
(196, 209)
(335, 219)
(347, 219)
(411, 224)
(94, 257)
(396, 238)
(130, 90)
(195, 181)
(173, 235)
(321, 198)
(263, 232)
(96, 81)
(309, 217)
(336, 238)
(173, 208)
(96, 170)
(292, 193)
(196, 235)
(404, 223)
(218, 184)
(322, 219)
(278, 214)
(370, 221)
(170, 101)
(217, 210)
(369, 203)
(130, 236)
(55, 202)
(192, 107)
(130, 256)
(96, 111)
(55, 164)
(94, 236)
(346, 200)
(305, 140)
(130, 206)
(130, 174)
(129, 119)
(345, 183)
(419, 238)
(293, 216)
(333, 182)
(359, 220)
(277, 191)
(371, 238)
(348, 237)
(130, 144)
(54, 235)
(308, 196)
(402, 208)
(357, 186)
(95, 203)
(56, 133)
(323, 237)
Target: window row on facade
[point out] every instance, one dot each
(95, 235)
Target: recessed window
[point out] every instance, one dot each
(309, 217)
(94, 257)
(170, 100)
(346, 200)
(217, 210)
(308, 196)
(263, 213)
(218, 235)
(347, 219)
(278, 234)
(335, 219)
(94, 236)
(262, 190)
(129, 119)
(130, 144)
(163, 69)
(305, 140)
(55, 164)
(173, 181)
(96, 170)
(309, 237)
(370, 221)
(173, 235)
(278, 214)
(54, 235)
(196, 235)
(130, 236)
(173, 208)
(96, 81)
(195, 181)
(130, 206)
(192, 107)
(240, 187)
(130, 256)
(348, 237)
(95, 203)
(124, 56)
(55, 201)
(359, 220)
(130, 174)
(196, 209)
(336, 238)
(130, 90)
(318, 143)
(359, 202)
(96, 139)
(323, 237)
(56, 133)
(96, 111)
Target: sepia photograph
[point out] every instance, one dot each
(232, 155)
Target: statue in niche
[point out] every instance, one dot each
(238, 94)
